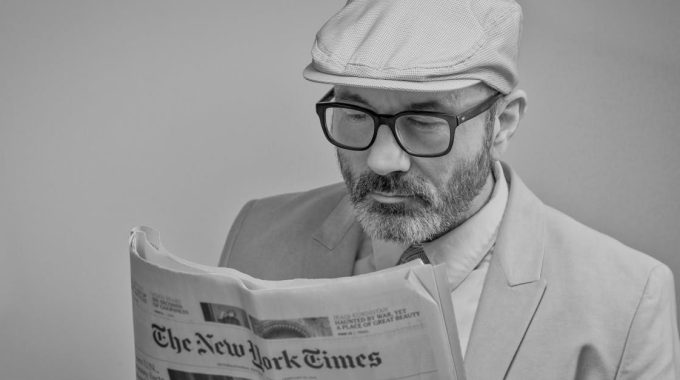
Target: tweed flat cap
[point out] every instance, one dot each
(419, 45)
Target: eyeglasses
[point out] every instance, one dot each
(418, 133)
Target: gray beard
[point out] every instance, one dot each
(435, 211)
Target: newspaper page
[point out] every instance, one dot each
(198, 322)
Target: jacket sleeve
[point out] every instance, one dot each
(234, 233)
(652, 348)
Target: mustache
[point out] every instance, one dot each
(394, 183)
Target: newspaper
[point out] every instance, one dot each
(193, 321)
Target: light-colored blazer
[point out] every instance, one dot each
(560, 301)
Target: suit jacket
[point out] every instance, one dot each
(560, 300)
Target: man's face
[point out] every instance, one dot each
(409, 199)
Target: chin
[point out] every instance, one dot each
(400, 226)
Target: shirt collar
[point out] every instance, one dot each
(462, 248)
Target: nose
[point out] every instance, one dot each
(385, 155)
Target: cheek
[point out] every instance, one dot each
(467, 144)
(437, 173)
(469, 139)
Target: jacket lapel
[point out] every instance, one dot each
(513, 288)
(341, 239)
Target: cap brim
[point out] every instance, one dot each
(312, 74)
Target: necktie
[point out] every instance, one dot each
(413, 252)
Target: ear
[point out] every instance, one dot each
(509, 112)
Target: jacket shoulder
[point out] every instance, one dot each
(315, 202)
(598, 279)
(612, 304)
(281, 223)
(573, 245)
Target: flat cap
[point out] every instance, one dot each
(419, 45)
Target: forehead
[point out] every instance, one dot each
(384, 100)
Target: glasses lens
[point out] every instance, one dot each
(421, 134)
(349, 127)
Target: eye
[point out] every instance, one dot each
(425, 122)
(355, 115)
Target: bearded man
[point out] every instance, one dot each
(423, 105)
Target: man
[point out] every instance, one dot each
(423, 106)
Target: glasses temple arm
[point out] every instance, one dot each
(478, 109)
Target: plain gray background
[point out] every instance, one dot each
(173, 114)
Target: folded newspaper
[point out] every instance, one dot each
(193, 321)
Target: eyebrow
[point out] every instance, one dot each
(429, 105)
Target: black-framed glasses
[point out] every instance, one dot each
(418, 133)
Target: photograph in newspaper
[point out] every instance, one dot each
(215, 312)
(181, 375)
